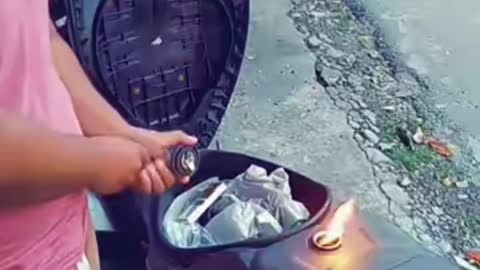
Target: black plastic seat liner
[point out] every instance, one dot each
(163, 64)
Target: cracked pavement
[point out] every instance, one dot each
(282, 114)
(322, 94)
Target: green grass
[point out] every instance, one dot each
(413, 159)
(345, 20)
(473, 223)
(470, 221)
(366, 42)
(389, 130)
(447, 170)
(345, 23)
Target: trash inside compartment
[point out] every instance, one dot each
(254, 205)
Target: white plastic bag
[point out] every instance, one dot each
(255, 205)
(186, 235)
(241, 221)
(272, 192)
(177, 229)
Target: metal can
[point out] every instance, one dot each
(184, 161)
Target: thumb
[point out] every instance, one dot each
(174, 138)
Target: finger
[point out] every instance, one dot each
(146, 159)
(144, 183)
(173, 138)
(159, 151)
(165, 173)
(184, 180)
(157, 180)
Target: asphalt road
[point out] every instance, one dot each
(281, 113)
(441, 40)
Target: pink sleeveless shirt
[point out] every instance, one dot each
(52, 235)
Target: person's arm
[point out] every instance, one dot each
(91, 248)
(96, 116)
(38, 164)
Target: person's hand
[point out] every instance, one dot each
(120, 162)
(156, 176)
(158, 143)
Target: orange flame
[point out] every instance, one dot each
(336, 228)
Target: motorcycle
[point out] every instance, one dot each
(173, 64)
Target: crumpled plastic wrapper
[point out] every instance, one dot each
(178, 231)
(272, 192)
(241, 221)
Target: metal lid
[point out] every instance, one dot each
(165, 64)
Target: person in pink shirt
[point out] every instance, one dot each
(59, 138)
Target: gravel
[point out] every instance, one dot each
(371, 136)
(331, 76)
(395, 193)
(314, 41)
(367, 81)
(377, 156)
(405, 182)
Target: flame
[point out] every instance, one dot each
(336, 228)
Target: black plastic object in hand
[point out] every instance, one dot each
(184, 161)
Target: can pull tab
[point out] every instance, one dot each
(184, 161)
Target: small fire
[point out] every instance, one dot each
(332, 236)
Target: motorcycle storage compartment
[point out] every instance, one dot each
(225, 165)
